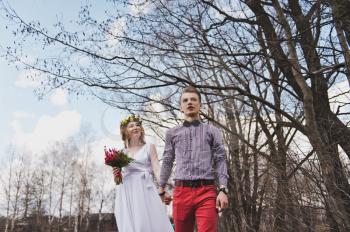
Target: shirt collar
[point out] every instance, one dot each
(192, 123)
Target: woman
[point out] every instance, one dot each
(138, 207)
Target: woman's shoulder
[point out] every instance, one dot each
(150, 146)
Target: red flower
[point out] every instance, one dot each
(117, 159)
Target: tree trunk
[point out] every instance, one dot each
(314, 99)
(341, 15)
(100, 217)
(239, 222)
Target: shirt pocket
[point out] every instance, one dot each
(180, 145)
(205, 145)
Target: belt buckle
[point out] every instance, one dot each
(190, 184)
(195, 184)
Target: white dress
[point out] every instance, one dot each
(138, 208)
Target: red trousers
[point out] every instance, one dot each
(195, 204)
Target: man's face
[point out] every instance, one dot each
(189, 104)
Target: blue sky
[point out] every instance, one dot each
(26, 120)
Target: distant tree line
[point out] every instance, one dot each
(62, 189)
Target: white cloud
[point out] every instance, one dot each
(232, 8)
(29, 79)
(23, 115)
(48, 130)
(116, 29)
(340, 96)
(139, 7)
(16, 126)
(98, 146)
(83, 61)
(59, 97)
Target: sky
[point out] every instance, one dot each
(30, 123)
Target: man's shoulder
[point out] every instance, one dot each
(174, 129)
(177, 127)
(210, 126)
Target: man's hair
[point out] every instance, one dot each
(191, 89)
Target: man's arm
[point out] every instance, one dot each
(168, 160)
(219, 157)
(221, 168)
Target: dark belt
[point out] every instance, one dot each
(193, 183)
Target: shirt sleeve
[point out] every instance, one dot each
(219, 157)
(168, 159)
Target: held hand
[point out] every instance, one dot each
(221, 201)
(116, 172)
(165, 197)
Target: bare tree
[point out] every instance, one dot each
(265, 69)
(7, 184)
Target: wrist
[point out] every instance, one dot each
(223, 189)
(161, 190)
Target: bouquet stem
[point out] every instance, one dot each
(118, 179)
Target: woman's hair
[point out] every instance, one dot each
(124, 132)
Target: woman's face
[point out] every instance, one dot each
(133, 130)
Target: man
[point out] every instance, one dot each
(199, 153)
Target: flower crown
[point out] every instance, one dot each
(130, 118)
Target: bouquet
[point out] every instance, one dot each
(117, 159)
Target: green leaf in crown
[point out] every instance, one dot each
(130, 118)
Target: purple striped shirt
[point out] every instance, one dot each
(195, 149)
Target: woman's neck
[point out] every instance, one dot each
(134, 143)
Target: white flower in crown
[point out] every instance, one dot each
(130, 118)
